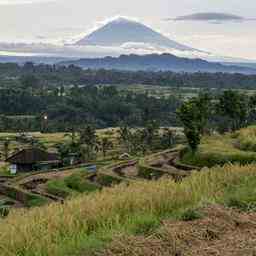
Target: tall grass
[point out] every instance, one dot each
(91, 219)
(247, 138)
(219, 150)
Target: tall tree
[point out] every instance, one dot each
(234, 106)
(194, 115)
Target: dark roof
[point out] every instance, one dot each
(32, 156)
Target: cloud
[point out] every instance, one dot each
(21, 2)
(210, 17)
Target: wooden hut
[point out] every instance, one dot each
(32, 159)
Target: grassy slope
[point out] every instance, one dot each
(220, 149)
(88, 222)
(247, 138)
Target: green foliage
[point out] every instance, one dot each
(142, 224)
(218, 150)
(6, 148)
(105, 145)
(168, 139)
(190, 215)
(58, 188)
(4, 211)
(247, 138)
(107, 180)
(241, 195)
(78, 182)
(35, 201)
(235, 106)
(194, 116)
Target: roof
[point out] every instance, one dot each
(32, 156)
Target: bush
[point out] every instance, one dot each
(107, 180)
(247, 139)
(35, 201)
(4, 211)
(58, 188)
(143, 224)
(79, 183)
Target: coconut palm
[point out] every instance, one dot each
(105, 145)
(6, 148)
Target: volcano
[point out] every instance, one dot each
(122, 31)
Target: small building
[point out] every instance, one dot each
(32, 159)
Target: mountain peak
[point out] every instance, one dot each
(122, 20)
(121, 31)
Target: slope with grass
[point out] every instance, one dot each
(86, 224)
(247, 138)
(221, 149)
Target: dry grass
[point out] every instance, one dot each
(220, 232)
(247, 138)
(65, 229)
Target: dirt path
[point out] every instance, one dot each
(221, 232)
(46, 176)
(163, 161)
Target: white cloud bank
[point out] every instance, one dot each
(20, 2)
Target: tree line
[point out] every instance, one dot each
(226, 112)
(28, 108)
(43, 75)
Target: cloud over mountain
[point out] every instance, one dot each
(210, 16)
(19, 2)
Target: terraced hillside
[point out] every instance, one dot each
(108, 222)
(55, 186)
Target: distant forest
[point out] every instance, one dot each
(54, 75)
(33, 109)
(49, 97)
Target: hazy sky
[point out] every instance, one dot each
(63, 20)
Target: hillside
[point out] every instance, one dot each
(156, 62)
(86, 225)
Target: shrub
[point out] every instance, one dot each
(143, 224)
(79, 183)
(107, 180)
(35, 200)
(4, 211)
(58, 188)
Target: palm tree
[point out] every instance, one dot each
(88, 136)
(73, 136)
(168, 138)
(105, 145)
(88, 143)
(6, 148)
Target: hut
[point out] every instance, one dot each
(32, 159)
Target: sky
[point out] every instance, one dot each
(62, 21)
